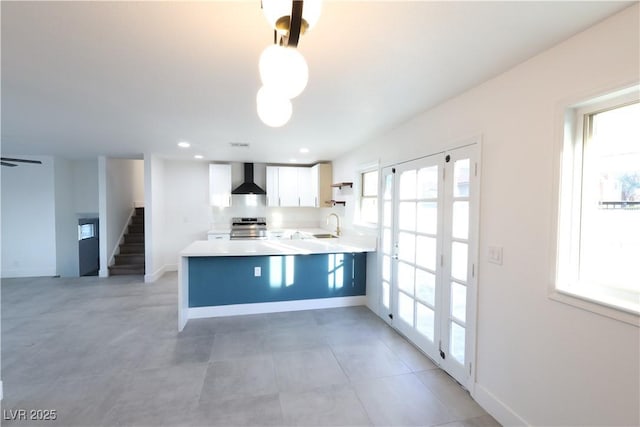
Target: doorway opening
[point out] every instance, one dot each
(88, 247)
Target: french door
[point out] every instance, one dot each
(429, 213)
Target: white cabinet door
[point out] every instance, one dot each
(307, 187)
(220, 185)
(288, 186)
(273, 191)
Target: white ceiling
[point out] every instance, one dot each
(81, 79)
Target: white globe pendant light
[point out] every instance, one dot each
(284, 70)
(273, 108)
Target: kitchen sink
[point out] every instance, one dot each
(325, 236)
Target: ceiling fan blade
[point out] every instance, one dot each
(8, 164)
(37, 162)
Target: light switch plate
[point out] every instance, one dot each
(495, 255)
(257, 271)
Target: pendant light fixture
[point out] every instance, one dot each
(283, 70)
(292, 18)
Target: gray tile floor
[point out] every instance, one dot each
(104, 352)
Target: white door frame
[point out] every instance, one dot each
(465, 375)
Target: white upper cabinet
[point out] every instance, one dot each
(306, 194)
(220, 185)
(296, 186)
(273, 192)
(288, 186)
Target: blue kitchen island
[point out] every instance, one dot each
(233, 277)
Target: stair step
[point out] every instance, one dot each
(130, 259)
(126, 270)
(136, 228)
(132, 248)
(134, 238)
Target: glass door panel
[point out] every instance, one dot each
(457, 343)
(408, 185)
(387, 244)
(458, 302)
(406, 278)
(417, 234)
(405, 308)
(428, 183)
(428, 217)
(407, 216)
(427, 252)
(425, 321)
(406, 246)
(459, 260)
(460, 207)
(426, 286)
(460, 220)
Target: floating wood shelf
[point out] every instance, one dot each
(338, 202)
(342, 184)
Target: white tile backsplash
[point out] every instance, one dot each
(220, 218)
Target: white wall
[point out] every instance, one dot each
(85, 186)
(154, 217)
(119, 181)
(538, 361)
(28, 219)
(138, 183)
(66, 222)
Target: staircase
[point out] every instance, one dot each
(130, 260)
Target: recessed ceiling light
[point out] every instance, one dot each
(184, 144)
(198, 156)
(304, 150)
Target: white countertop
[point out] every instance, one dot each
(303, 246)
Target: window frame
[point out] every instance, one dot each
(362, 170)
(89, 225)
(564, 286)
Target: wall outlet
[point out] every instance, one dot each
(495, 255)
(257, 271)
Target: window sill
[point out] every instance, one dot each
(589, 303)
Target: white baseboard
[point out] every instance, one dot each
(11, 274)
(274, 307)
(152, 277)
(498, 409)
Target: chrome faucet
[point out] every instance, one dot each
(338, 232)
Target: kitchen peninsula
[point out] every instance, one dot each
(232, 277)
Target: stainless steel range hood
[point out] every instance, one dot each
(248, 186)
